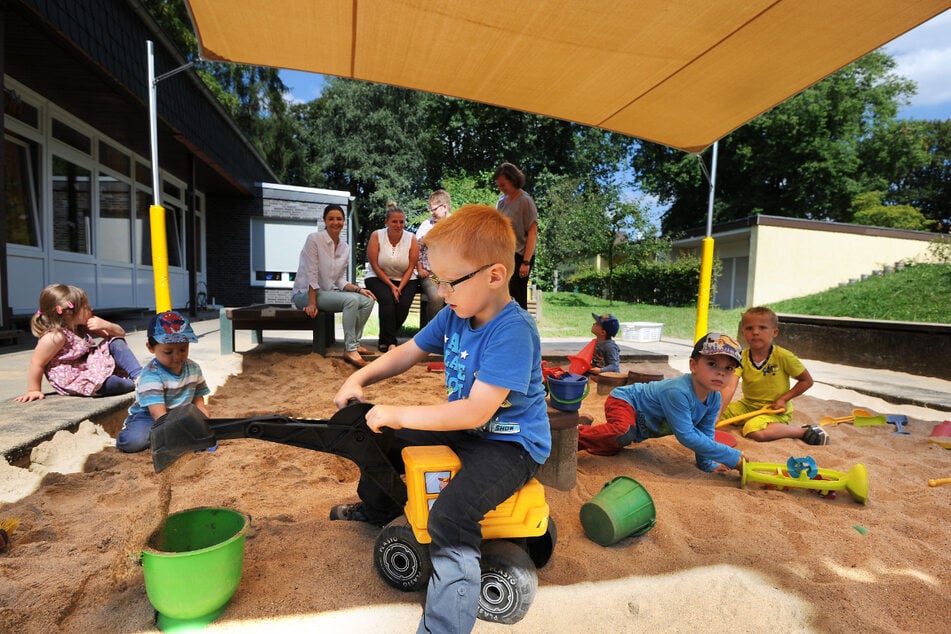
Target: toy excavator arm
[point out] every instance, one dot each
(186, 429)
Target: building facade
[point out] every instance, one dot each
(768, 258)
(77, 171)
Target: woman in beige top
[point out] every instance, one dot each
(392, 254)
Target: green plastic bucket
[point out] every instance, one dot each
(622, 508)
(567, 392)
(193, 565)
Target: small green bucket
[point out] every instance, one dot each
(622, 508)
(193, 565)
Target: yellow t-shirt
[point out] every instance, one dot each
(764, 383)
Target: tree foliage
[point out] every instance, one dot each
(867, 209)
(802, 159)
(927, 185)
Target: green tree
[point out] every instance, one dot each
(583, 221)
(928, 185)
(801, 159)
(368, 140)
(868, 209)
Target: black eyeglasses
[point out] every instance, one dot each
(448, 286)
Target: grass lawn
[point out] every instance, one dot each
(918, 293)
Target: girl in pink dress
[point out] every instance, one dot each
(67, 354)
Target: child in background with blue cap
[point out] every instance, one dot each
(607, 355)
(168, 381)
(685, 407)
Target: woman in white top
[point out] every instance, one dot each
(392, 253)
(321, 283)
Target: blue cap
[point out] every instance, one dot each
(171, 327)
(718, 343)
(609, 322)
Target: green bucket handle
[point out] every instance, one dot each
(587, 388)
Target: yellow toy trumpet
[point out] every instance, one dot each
(821, 480)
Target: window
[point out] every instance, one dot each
(275, 250)
(114, 159)
(115, 219)
(71, 137)
(173, 234)
(143, 175)
(14, 106)
(23, 226)
(143, 228)
(72, 208)
(143, 231)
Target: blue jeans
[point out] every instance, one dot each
(356, 309)
(135, 433)
(491, 472)
(125, 361)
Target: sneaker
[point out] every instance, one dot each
(356, 513)
(349, 513)
(815, 435)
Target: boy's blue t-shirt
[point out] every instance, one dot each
(506, 352)
(157, 386)
(672, 407)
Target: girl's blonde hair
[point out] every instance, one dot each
(477, 234)
(57, 301)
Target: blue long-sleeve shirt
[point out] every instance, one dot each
(672, 407)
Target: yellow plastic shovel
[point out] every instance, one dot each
(856, 413)
(765, 409)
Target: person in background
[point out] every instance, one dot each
(440, 206)
(516, 205)
(392, 254)
(67, 354)
(607, 355)
(321, 283)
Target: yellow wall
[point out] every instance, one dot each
(787, 262)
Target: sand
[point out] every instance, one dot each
(720, 557)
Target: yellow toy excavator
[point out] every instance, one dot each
(519, 536)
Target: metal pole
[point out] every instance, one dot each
(163, 295)
(706, 258)
(153, 127)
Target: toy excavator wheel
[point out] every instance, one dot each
(541, 548)
(509, 582)
(401, 560)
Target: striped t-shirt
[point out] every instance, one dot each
(157, 386)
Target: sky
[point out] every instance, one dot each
(923, 54)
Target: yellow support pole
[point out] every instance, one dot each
(163, 295)
(703, 294)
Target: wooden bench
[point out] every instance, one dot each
(261, 317)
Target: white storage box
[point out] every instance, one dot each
(641, 330)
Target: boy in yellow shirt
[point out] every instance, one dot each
(766, 370)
